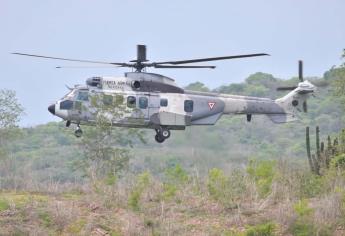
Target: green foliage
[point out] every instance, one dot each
(10, 109)
(197, 86)
(133, 200)
(110, 179)
(303, 229)
(310, 185)
(338, 162)
(303, 225)
(217, 184)
(76, 226)
(302, 209)
(45, 218)
(4, 204)
(176, 175)
(338, 84)
(266, 229)
(142, 182)
(224, 189)
(262, 172)
(169, 191)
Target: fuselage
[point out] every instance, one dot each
(151, 101)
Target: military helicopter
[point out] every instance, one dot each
(156, 102)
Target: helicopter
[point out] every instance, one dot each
(156, 102)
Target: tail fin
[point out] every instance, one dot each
(294, 101)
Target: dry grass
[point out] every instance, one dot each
(102, 209)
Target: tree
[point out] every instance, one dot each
(197, 86)
(339, 81)
(105, 147)
(10, 113)
(10, 109)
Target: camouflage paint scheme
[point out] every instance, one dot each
(207, 107)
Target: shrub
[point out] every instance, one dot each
(4, 205)
(338, 162)
(225, 190)
(310, 185)
(303, 225)
(142, 182)
(216, 184)
(169, 191)
(266, 229)
(176, 177)
(45, 218)
(302, 209)
(263, 173)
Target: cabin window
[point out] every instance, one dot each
(188, 105)
(143, 101)
(83, 96)
(164, 102)
(107, 100)
(66, 105)
(119, 99)
(131, 101)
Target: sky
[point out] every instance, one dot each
(289, 30)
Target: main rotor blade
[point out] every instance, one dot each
(183, 67)
(212, 59)
(286, 88)
(86, 67)
(76, 60)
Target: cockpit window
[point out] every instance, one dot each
(83, 96)
(66, 105)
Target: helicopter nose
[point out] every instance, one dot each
(51, 109)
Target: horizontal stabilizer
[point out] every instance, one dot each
(282, 118)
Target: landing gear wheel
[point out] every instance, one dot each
(159, 138)
(165, 133)
(78, 133)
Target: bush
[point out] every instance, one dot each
(338, 162)
(217, 184)
(310, 185)
(302, 209)
(4, 205)
(226, 190)
(142, 182)
(303, 229)
(263, 173)
(303, 225)
(266, 229)
(176, 177)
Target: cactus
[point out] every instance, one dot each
(322, 157)
(311, 165)
(316, 165)
(342, 141)
(329, 143)
(318, 153)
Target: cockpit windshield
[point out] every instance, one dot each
(83, 95)
(70, 95)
